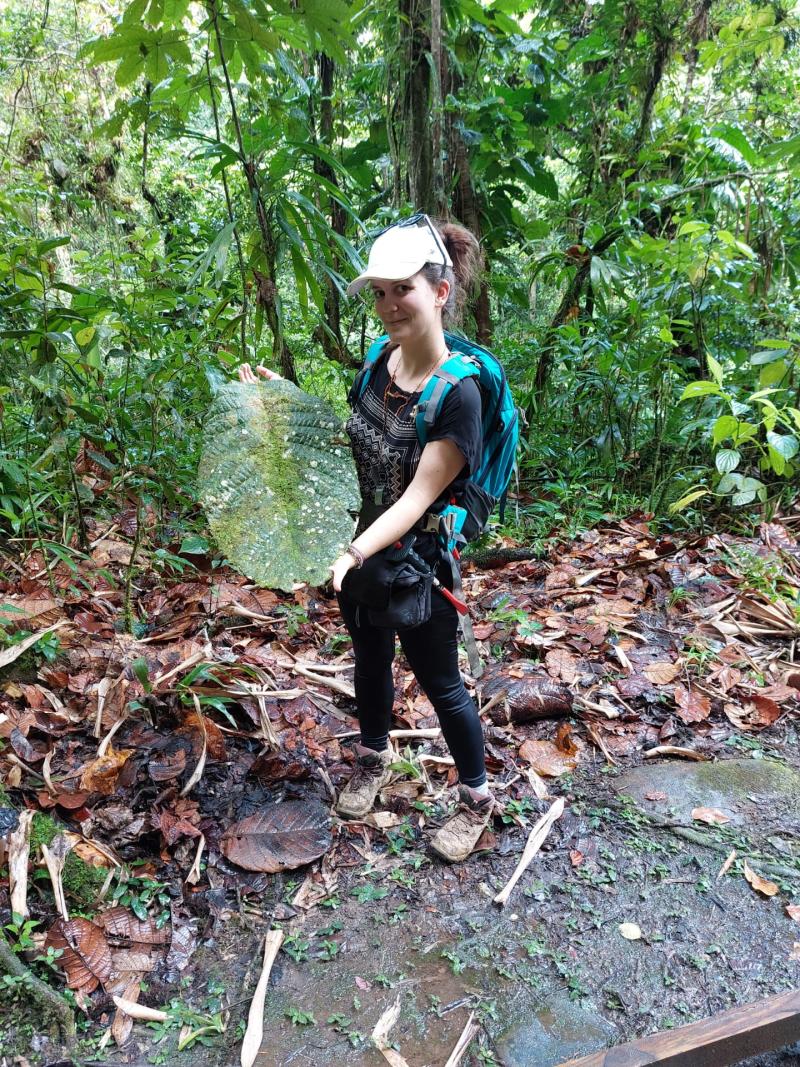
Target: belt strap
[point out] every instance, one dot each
(464, 621)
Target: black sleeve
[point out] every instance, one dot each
(459, 421)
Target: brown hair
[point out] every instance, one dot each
(465, 252)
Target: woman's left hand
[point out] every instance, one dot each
(340, 567)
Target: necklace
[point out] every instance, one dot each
(396, 393)
(400, 394)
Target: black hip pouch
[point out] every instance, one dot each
(393, 587)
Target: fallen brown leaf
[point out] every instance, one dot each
(662, 673)
(100, 776)
(547, 758)
(761, 885)
(712, 816)
(691, 706)
(85, 953)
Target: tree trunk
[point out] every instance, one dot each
(410, 133)
(330, 338)
(439, 196)
(465, 205)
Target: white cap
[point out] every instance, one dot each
(400, 252)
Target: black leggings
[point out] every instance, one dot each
(432, 653)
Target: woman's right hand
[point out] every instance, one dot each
(246, 374)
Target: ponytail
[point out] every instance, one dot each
(463, 248)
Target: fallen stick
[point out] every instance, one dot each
(332, 683)
(463, 1043)
(193, 877)
(595, 736)
(8, 655)
(255, 1017)
(54, 857)
(19, 847)
(726, 866)
(197, 773)
(429, 734)
(140, 1011)
(674, 750)
(532, 846)
(380, 1035)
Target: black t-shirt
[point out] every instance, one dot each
(386, 447)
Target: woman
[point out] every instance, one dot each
(419, 275)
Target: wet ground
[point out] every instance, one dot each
(551, 975)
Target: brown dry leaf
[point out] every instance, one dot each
(215, 739)
(662, 672)
(547, 758)
(761, 885)
(284, 837)
(576, 857)
(691, 706)
(726, 677)
(655, 795)
(100, 776)
(29, 612)
(561, 577)
(561, 663)
(120, 923)
(170, 761)
(86, 956)
(756, 714)
(793, 911)
(122, 1023)
(710, 815)
(483, 630)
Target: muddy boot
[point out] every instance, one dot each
(456, 838)
(371, 774)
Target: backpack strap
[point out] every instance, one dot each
(360, 382)
(452, 371)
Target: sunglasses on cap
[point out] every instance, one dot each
(420, 219)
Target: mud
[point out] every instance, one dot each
(550, 976)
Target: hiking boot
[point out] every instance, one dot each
(371, 774)
(456, 838)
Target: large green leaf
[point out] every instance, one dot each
(278, 482)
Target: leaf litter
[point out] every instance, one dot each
(241, 694)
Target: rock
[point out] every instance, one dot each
(560, 1030)
(759, 794)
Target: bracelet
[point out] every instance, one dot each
(357, 555)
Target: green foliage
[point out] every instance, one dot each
(184, 187)
(278, 482)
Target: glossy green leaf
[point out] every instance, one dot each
(278, 482)
(727, 459)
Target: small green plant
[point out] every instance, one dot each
(295, 617)
(517, 811)
(401, 838)
(398, 914)
(141, 893)
(368, 892)
(403, 877)
(457, 965)
(679, 595)
(329, 950)
(299, 1017)
(21, 929)
(343, 1025)
(296, 946)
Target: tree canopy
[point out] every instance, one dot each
(187, 185)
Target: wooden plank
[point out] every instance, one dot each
(723, 1039)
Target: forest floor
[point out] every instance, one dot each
(648, 681)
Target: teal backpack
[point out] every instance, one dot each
(465, 518)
